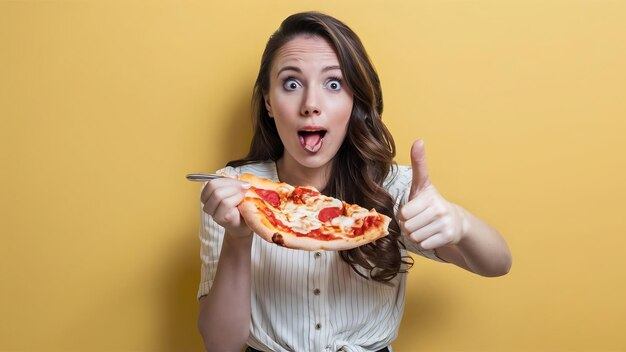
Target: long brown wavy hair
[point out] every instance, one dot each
(364, 159)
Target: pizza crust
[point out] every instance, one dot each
(290, 240)
(264, 183)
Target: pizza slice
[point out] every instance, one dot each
(303, 218)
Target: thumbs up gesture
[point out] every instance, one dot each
(427, 218)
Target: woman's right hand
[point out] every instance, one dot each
(220, 198)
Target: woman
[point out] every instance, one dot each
(317, 121)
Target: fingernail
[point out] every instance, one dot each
(245, 185)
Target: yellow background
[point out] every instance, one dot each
(105, 106)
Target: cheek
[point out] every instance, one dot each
(283, 110)
(283, 105)
(343, 110)
(341, 118)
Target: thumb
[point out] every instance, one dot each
(420, 170)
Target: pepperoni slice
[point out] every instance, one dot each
(328, 214)
(269, 196)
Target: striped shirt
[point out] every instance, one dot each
(313, 301)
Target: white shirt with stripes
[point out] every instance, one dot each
(313, 301)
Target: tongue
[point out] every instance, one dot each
(311, 141)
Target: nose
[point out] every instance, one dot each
(310, 103)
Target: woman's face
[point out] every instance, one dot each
(308, 101)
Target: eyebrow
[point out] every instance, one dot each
(297, 69)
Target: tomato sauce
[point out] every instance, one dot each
(319, 235)
(276, 222)
(372, 220)
(301, 194)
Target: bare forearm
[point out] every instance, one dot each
(224, 320)
(481, 250)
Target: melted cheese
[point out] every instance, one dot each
(303, 218)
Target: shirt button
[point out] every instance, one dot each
(318, 254)
(316, 291)
(318, 326)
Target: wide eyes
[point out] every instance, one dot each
(333, 84)
(291, 84)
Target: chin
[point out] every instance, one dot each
(314, 161)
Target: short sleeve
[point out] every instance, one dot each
(398, 184)
(211, 236)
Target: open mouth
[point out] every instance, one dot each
(311, 140)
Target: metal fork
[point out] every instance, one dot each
(203, 177)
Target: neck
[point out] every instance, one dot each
(297, 175)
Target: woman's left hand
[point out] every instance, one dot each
(428, 218)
